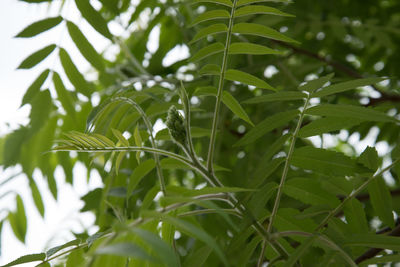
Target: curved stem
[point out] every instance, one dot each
(211, 148)
(286, 168)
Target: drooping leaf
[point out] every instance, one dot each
(381, 200)
(211, 15)
(258, 9)
(251, 49)
(34, 88)
(85, 47)
(64, 96)
(326, 125)
(278, 96)
(235, 107)
(260, 30)
(212, 29)
(300, 251)
(18, 219)
(37, 197)
(220, 2)
(39, 27)
(349, 111)
(369, 158)
(267, 125)
(207, 51)
(27, 259)
(246, 78)
(36, 57)
(74, 75)
(355, 216)
(315, 84)
(94, 17)
(210, 69)
(344, 86)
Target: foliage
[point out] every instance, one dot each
(238, 177)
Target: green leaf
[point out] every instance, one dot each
(235, 107)
(36, 57)
(212, 29)
(324, 161)
(18, 220)
(381, 200)
(208, 51)
(395, 258)
(210, 69)
(258, 9)
(75, 259)
(278, 96)
(349, 111)
(326, 125)
(315, 84)
(120, 137)
(198, 257)
(248, 2)
(54, 250)
(211, 15)
(34, 88)
(40, 112)
(93, 17)
(138, 173)
(220, 2)
(342, 87)
(125, 250)
(138, 141)
(74, 75)
(64, 96)
(374, 241)
(37, 197)
(300, 251)
(251, 49)
(39, 27)
(369, 158)
(310, 192)
(85, 47)
(246, 78)
(267, 125)
(261, 30)
(164, 252)
(355, 216)
(26, 259)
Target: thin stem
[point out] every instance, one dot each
(261, 257)
(286, 168)
(211, 148)
(353, 194)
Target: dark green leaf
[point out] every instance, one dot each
(267, 125)
(246, 78)
(208, 51)
(278, 96)
(212, 29)
(211, 69)
(54, 250)
(138, 173)
(93, 17)
(36, 57)
(258, 9)
(247, 2)
(39, 27)
(315, 84)
(355, 216)
(300, 250)
(220, 2)
(235, 107)
(27, 259)
(374, 241)
(211, 15)
(261, 30)
(64, 96)
(34, 88)
(326, 125)
(251, 49)
(381, 200)
(369, 158)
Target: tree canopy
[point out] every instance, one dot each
(247, 151)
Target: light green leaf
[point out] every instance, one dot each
(74, 75)
(39, 27)
(125, 250)
(300, 250)
(349, 111)
(85, 47)
(326, 125)
(164, 252)
(120, 137)
(63, 95)
(381, 200)
(205, 91)
(315, 84)
(138, 141)
(267, 125)
(40, 112)
(247, 2)
(369, 158)
(118, 161)
(34, 88)
(138, 173)
(246, 78)
(18, 220)
(342, 87)
(278, 96)
(208, 51)
(310, 192)
(36, 57)
(261, 30)
(26, 259)
(37, 197)
(54, 250)
(395, 258)
(211, 15)
(220, 2)
(374, 241)
(212, 29)
(355, 216)
(251, 49)
(210, 69)
(258, 9)
(235, 107)
(93, 17)
(324, 161)
(75, 259)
